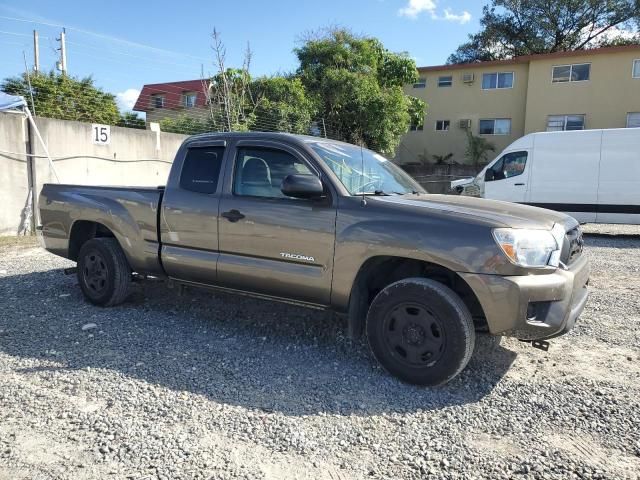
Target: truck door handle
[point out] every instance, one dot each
(233, 215)
(519, 184)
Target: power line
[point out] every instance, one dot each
(106, 37)
(114, 52)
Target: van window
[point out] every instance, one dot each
(201, 169)
(510, 165)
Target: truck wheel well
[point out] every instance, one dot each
(81, 232)
(378, 272)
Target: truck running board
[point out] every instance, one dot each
(539, 344)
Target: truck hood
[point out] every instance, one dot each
(494, 212)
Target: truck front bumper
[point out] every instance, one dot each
(533, 307)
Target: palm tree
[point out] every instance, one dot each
(478, 149)
(442, 159)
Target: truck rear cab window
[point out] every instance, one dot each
(201, 169)
(510, 165)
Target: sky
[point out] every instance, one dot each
(126, 44)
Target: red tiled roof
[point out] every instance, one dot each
(172, 92)
(528, 58)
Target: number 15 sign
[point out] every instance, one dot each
(100, 134)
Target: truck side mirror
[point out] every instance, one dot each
(488, 175)
(302, 186)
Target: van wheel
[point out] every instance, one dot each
(420, 331)
(103, 272)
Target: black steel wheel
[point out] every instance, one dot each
(420, 331)
(104, 274)
(414, 334)
(95, 273)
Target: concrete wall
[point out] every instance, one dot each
(131, 158)
(14, 185)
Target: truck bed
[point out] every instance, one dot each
(130, 213)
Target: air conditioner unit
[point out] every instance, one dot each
(465, 123)
(468, 78)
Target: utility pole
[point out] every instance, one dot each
(63, 52)
(36, 52)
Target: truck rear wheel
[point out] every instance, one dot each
(103, 272)
(420, 331)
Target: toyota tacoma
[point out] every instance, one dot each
(330, 225)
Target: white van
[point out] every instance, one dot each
(593, 175)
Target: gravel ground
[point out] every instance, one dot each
(216, 386)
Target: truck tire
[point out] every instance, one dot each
(103, 272)
(420, 331)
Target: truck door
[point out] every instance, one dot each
(270, 243)
(189, 216)
(507, 178)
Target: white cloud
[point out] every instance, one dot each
(127, 99)
(416, 7)
(462, 18)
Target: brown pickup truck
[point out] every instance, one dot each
(330, 225)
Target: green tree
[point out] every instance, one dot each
(230, 98)
(131, 120)
(522, 27)
(478, 149)
(356, 85)
(187, 125)
(281, 104)
(66, 98)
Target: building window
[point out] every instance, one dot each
(636, 69)
(559, 123)
(445, 81)
(189, 99)
(633, 120)
(495, 126)
(158, 101)
(442, 125)
(416, 128)
(491, 81)
(421, 83)
(571, 73)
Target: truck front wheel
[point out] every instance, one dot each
(103, 272)
(420, 331)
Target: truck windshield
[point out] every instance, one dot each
(362, 171)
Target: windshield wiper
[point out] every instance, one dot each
(413, 192)
(377, 193)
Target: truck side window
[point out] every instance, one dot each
(510, 165)
(259, 171)
(201, 169)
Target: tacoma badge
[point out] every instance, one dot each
(295, 256)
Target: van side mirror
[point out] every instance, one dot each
(302, 186)
(488, 175)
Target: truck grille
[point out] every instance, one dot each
(572, 247)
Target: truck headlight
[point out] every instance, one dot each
(531, 248)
